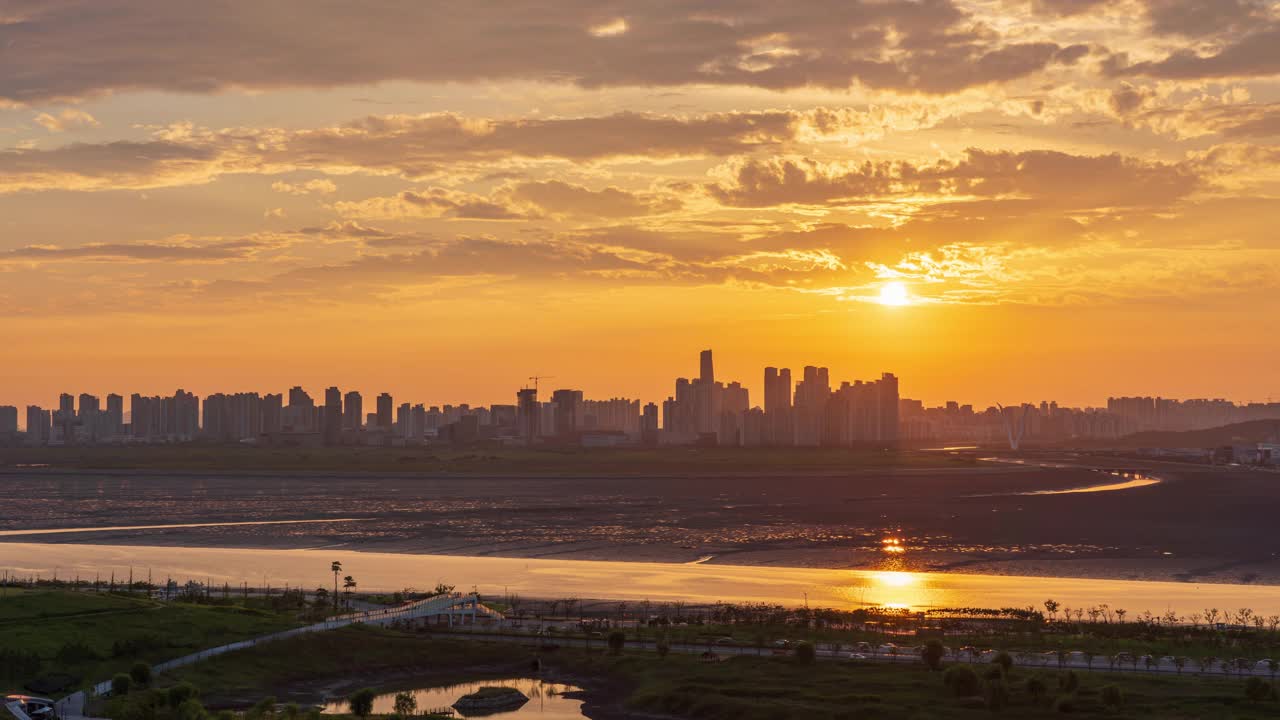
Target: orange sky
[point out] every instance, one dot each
(1078, 197)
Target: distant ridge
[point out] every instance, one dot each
(1254, 431)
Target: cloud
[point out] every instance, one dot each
(910, 45)
(562, 198)
(1247, 55)
(432, 203)
(1048, 178)
(319, 187)
(413, 146)
(182, 252)
(66, 120)
(1199, 18)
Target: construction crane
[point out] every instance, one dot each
(536, 378)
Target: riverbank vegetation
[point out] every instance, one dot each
(720, 687)
(56, 641)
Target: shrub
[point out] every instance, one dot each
(662, 648)
(805, 653)
(996, 694)
(1068, 681)
(932, 654)
(76, 651)
(1036, 688)
(617, 641)
(266, 707)
(1257, 689)
(190, 709)
(406, 704)
(1112, 696)
(180, 693)
(120, 684)
(962, 680)
(1065, 704)
(1003, 660)
(361, 702)
(140, 673)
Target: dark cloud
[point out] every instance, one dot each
(59, 49)
(1251, 55)
(241, 249)
(1067, 7)
(1049, 178)
(1198, 18)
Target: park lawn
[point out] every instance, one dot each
(742, 688)
(92, 636)
(750, 688)
(348, 652)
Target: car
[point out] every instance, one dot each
(34, 707)
(854, 656)
(782, 643)
(726, 641)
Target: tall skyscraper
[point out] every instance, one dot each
(8, 421)
(779, 430)
(332, 416)
(528, 415)
(568, 406)
(353, 411)
(39, 428)
(115, 414)
(707, 368)
(384, 411)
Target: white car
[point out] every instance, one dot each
(34, 707)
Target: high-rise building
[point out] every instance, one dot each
(115, 414)
(568, 408)
(353, 411)
(272, 413)
(332, 416)
(706, 367)
(404, 420)
(528, 415)
(649, 425)
(779, 430)
(39, 428)
(810, 406)
(8, 421)
(384, 411)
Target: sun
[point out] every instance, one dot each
(894, 293)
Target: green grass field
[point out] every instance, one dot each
(482, 461)
(91, 636)
(742, 688)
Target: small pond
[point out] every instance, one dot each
(546, 699)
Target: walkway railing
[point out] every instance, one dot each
(436, 605)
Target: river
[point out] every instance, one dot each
(705, 582)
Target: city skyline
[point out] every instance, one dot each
(807, 409)
(1021, 198)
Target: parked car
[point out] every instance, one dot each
(34, 707)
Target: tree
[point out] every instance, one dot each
(180, 693)
(962, 680)
(1004, 661)
(140, 674)
(335, 567)
(1052, 606)
(322, 597)
(617, 641)
(1037, 689)
(805, 653)
(120, 684)
(348, 589)
(361, 702)
(406, 704)
(995, 694)
(932, 654)
(662, 647)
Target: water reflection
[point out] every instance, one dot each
(546, 700)
(1136, 481)
(657, 582)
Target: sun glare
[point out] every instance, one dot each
(894, 293)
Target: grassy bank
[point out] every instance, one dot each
(480, 461)
(72, 638)
(746, 688)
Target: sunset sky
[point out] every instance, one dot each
(1080, 198)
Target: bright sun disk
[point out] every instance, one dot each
(894, 293)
